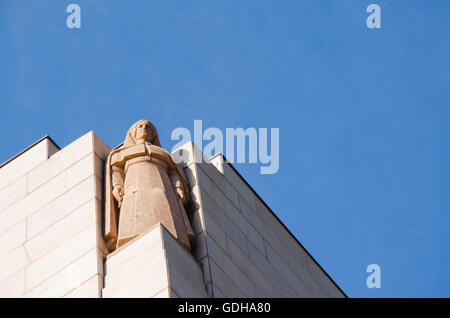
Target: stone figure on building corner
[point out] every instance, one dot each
(144, 187)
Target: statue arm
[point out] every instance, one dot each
(117, 177)
(178, 184)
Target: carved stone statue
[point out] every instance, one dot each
(144, 186)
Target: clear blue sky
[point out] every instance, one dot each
(364, 114)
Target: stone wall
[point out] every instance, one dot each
(244, 249)
(50, 214)
(153, 265)
(51, 243)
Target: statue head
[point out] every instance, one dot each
(140, 132)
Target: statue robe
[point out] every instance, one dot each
(149, 178)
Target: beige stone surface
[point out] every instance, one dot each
(173, 294)
(261, 262)
(219, 182)
(51, 148)
(217, 292)
(218, 161)
(50, 232)
(243, 262)
(24, 163)
(165, 293)
(46, 193)
(150, 241)
(231, 177)
(12, 238)
(139, 269)
(232, 212)
(59, 162)
(199, 250)
(187, 154)
(99, 147)
(141, 283)
(13, 262)
(14, 286)
(288, 275)
(196, 214)
(144, 186)
(227, 287)
(204, 264)
(51, 239)
(288, 250)
(324, 281)
(61, 231)
(13, 192)
(62, 206)
(150, 264)
(60, 257)
(191, 174)
(185, 273)
(69, 278)
(219, 225)
(248, 251)
(89, 289)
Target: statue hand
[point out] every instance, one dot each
(181, 194)
(118, 194)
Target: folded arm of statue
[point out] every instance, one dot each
(178, 184)
(117, 183)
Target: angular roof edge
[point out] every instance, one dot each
(28, 148)
(278, 219)
(240, 176)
